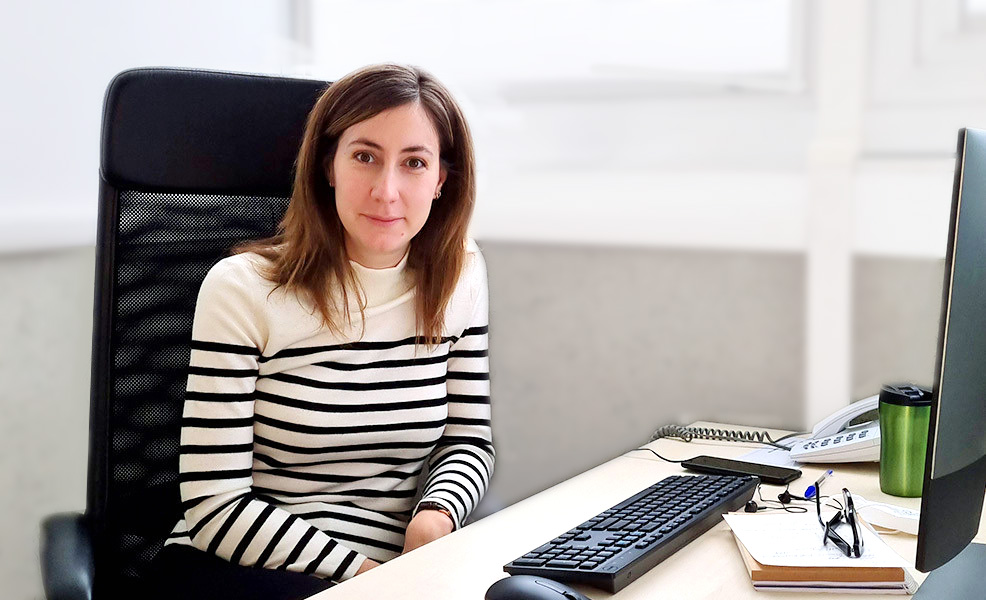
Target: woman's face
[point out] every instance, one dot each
(386, 173)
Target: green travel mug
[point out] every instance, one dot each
(905, 412)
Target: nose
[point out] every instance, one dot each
(386, 188)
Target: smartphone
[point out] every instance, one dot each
(725, 466)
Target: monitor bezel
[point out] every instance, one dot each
(944, 532)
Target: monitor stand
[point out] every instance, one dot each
(961, 577)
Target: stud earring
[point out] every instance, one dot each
(438, 195)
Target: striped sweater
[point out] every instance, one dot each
(304, 450)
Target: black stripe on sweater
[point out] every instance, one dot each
(466, 421)
(476, 330)
(218, 397)
(383, 364)
(363, 428)
(333, 478)
(404, 445)
(454, 440)
(326, 496)
(468, 399)
(209, 423)
(212, 372)
(214, 449)
(227, 348)
(376, 460)
(348, 408)
(358, 386)
(468, 353)
(467, 376)
(186, 476)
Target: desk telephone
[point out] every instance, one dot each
(834, 440)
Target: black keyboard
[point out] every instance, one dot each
(618, 545)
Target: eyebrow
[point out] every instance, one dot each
(367, 142)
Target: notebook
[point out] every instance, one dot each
(785, 552)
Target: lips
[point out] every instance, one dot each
(383, 220)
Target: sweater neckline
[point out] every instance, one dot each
(380, 286)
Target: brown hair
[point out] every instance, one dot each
(308, 253)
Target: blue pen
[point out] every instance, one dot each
(813, 489)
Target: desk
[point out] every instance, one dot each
(461, 566)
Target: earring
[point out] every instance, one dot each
(438, 195)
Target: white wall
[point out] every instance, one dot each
(59, 57)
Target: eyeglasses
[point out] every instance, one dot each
(847, 514)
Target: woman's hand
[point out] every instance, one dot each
(367, 565)
(426, 526)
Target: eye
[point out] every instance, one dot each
(363, 157)
(416, 163)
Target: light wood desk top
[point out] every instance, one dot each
(463, 565)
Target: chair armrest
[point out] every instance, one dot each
(66, 557)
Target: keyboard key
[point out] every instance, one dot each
(528, 562)
(562, 564)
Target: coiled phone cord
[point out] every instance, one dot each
(687, 434)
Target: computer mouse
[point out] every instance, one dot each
(528, 587)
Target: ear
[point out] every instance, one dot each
(442, 175)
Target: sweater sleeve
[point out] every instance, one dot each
(462, 463)
(223, 515)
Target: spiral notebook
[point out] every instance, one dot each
(785, 552)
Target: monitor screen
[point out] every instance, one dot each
(955, 467)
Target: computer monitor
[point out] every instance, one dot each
(955, 467)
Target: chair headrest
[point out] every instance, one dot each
(184, 130)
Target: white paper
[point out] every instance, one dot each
(889, 516)
(796, 540)
(773, 456)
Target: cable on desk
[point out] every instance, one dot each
(661, 457)
(687, 434)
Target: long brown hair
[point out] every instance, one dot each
(308, 253)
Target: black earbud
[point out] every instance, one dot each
(751, 507)
(786, 497)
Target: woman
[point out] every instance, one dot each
(335, 363)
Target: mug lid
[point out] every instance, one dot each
(905, 394)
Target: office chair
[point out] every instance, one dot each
(191, 163)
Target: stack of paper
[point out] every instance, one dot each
(785, 552)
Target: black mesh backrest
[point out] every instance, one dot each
(165, 245)
(164, 221)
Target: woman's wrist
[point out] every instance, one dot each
(368, 564)
(436, 507)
